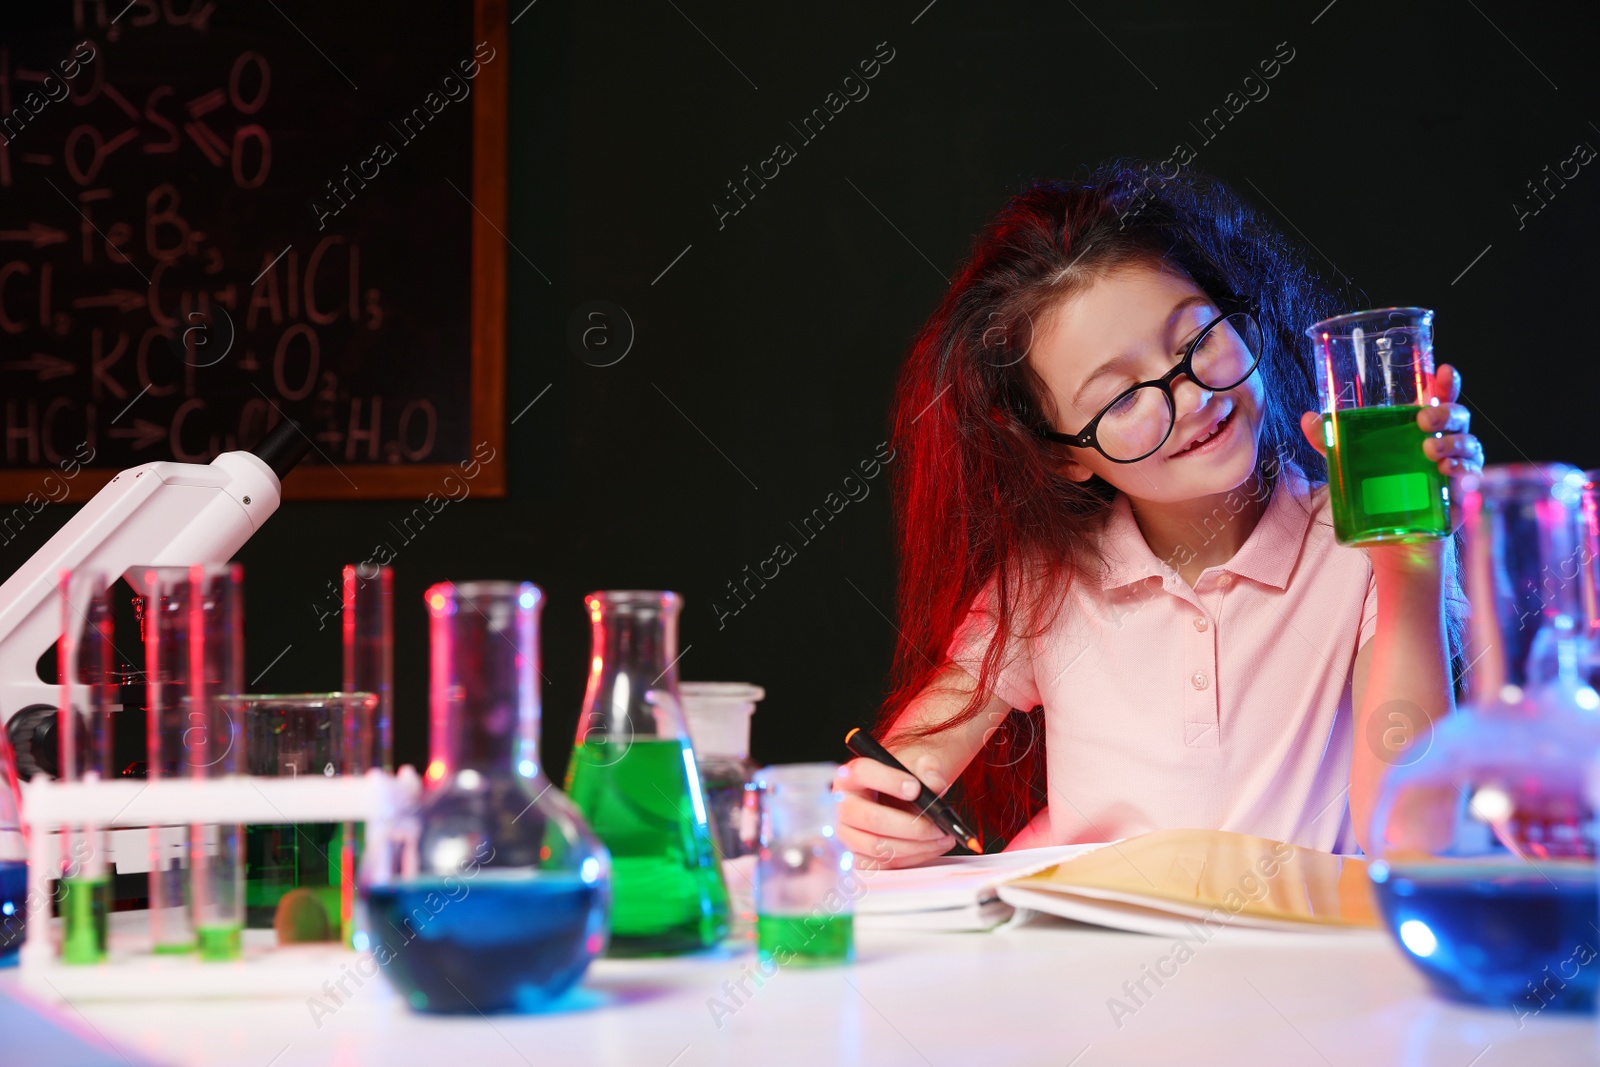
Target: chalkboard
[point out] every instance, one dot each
(215, 215)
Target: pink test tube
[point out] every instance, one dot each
(368, 619)
(194, 661)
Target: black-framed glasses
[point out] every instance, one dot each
(1139, 420)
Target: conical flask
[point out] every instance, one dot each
(493, 896)
(1484, 838)
(633, 775)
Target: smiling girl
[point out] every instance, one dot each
(1122, 606)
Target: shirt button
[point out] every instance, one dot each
(1200, 623)
(1199, 680)
(1225, 580)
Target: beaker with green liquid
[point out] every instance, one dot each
(1374, 374)
(88, 695)
(634, 777)
(300, 877)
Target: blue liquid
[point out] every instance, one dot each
(13, 909)
(486, 942)
(1502, 934)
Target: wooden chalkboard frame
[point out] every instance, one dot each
(382, 482)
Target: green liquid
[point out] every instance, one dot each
(85, 907)
(667, 893)
(1383, 486)
(280, 858)
(218, 942)
(806, 938)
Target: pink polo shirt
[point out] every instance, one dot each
(1223, 706)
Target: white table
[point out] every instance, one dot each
(1035, 995)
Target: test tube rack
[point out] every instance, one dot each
(132, 971)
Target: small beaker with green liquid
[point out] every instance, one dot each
(806, 884)
(88, 695)
(634, 777)
(1374, 374)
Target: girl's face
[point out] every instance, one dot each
(1133, 325)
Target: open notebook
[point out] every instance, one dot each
(952, 892)
(1155, 883)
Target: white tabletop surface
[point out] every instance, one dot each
(1036, 994)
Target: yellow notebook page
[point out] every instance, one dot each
(1235, 874)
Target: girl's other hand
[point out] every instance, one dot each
(1459, 454)
(878, 819)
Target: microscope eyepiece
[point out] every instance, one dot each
(284, 446)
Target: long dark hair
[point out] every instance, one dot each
(978, 496)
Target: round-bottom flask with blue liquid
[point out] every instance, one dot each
(1484, 833)
(495, 895)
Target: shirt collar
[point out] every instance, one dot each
(1268, 555)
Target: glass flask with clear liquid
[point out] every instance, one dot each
(1484, 838)
(633, 775)
(718, 717)
(493, 895)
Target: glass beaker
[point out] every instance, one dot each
(806, 884)
(368, 630)
(300, 877)
(1484, 845)
(194, 666)
(633, 775)
(718, 717)
(88, 696)
(1374, 369)
(493, 896)
(13, 860)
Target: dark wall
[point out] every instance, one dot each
(1396, 143)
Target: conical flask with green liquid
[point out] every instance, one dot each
(633, 775)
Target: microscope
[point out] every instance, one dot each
(157, 514)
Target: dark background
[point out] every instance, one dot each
(1394, 144)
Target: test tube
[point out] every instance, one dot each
(369, 650)
(165, 595)
(88, 693)
(216, 679)
(194, 664)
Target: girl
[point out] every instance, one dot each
(1122, 607)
